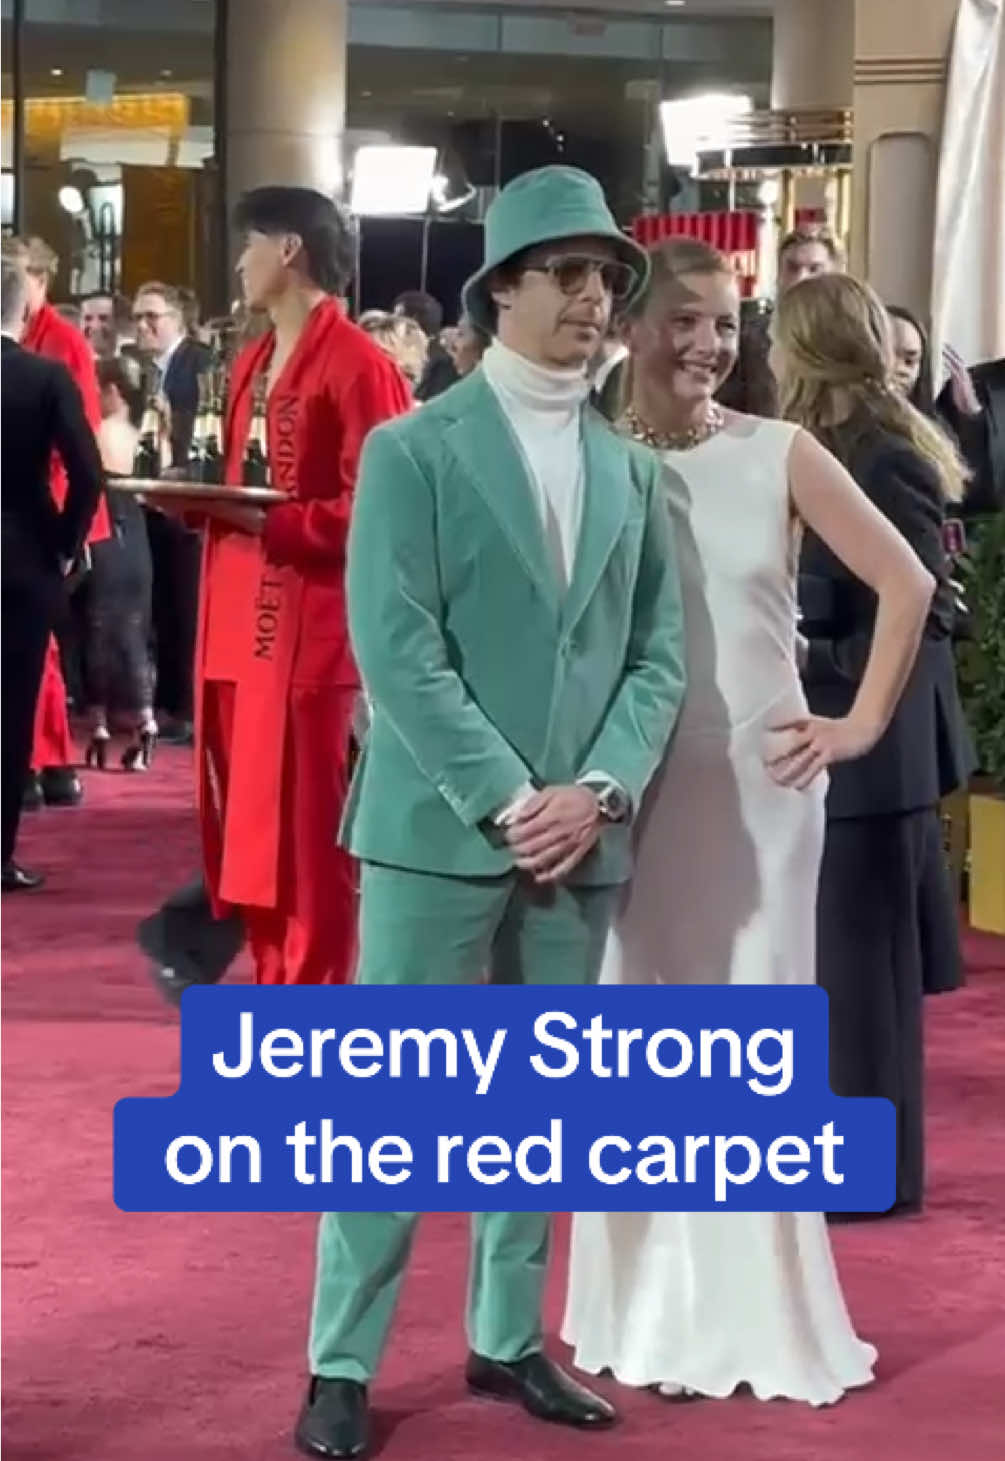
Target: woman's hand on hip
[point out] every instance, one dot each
(799, 750)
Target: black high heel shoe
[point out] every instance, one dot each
(96, 753)
(139, 755)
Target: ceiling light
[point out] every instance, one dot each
(56, 71)
(71, 200)
(460, 200)
(450, 190)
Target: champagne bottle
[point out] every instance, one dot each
(201, 428)
(147, 460)
(212, 442)
(255, 467)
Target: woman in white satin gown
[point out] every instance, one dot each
(729, 846)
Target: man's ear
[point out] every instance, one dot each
(292, 244)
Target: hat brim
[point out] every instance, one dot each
(476, 296)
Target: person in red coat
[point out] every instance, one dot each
(275, 679)
(48, 333)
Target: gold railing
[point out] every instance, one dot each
(789, 146)
(820, 125)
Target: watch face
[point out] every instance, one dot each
(613, 804)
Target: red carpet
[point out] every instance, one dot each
(144, 1338)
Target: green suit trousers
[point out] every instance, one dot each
(420, 928)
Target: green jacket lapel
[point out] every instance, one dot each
(606, 496)
(483, 442)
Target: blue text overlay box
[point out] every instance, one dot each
(438, 1099)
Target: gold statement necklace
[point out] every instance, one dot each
(715, 420)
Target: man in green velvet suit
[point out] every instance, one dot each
(514, 609)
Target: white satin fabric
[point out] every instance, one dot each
(968, 266)
(724, 892)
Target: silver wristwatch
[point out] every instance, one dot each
(613, 802)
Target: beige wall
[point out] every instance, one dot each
(901, 57)
(888, 60)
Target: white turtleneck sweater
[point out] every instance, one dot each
(544, 409)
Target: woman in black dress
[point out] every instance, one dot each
(887, 920)
(117, 608)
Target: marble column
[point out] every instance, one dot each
(285, 94)
(813, 55)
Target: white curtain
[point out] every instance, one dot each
(968, 275)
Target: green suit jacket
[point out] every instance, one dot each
(482, 673)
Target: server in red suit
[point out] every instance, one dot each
(275, 679)
(48, 333)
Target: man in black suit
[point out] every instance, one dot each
(161, 337)
(42, 411)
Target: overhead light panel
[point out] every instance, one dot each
(694, 124)
(388, 181)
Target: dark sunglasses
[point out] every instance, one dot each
(571, 272)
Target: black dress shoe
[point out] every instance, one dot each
(186, 944)
(61, 786)
(32, 799)
(334, 1420)
(17, 879)
(543, 1389)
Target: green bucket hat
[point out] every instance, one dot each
(545, 206)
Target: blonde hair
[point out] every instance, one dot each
(401, 338)
(672, 259)
(835, 339)
(34, 254)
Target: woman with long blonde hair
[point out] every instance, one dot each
(400, 338)
(729, 843)
(887, 926)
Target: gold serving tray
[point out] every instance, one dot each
(196, 491)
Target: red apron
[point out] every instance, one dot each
(275, 675)
(49, 334)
